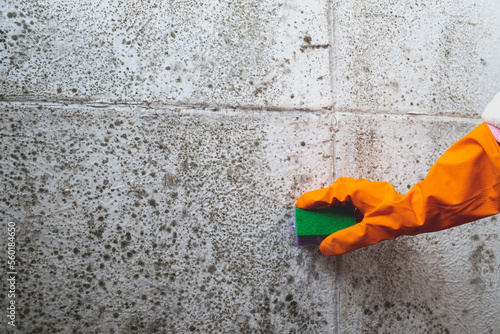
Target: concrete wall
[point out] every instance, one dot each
(152, 152)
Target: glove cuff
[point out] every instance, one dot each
(491, 114)
(495, 132)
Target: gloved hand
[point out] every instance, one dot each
(462, 186)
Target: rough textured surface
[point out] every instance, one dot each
(166, 221)
(394, 148)
(445, 282)
(412, 56)
(237, 53)
(442, 282)
(151, 153)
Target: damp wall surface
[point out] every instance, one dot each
(152, 152)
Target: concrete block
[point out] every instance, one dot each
(416, 57)
(174, 220)
(442, 282)
(197, 52)
(395, 148)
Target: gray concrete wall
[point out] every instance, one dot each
(152, 153)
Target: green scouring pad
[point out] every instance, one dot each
(315, 225)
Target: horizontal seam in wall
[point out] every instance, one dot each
(158, 105)
(409, 115)
(165, 106)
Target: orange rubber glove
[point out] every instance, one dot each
(462, 186)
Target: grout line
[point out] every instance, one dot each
(145, 105)
(165, 106)
(333, 55)
(157, 105)
(338, 283)
(333, 72)
(410, 115)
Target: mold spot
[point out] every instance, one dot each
(212, 269)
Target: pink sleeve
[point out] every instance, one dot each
(495, 131)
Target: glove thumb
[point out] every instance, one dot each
(363, 194)
(354, 237)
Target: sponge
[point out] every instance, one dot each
(315, 225)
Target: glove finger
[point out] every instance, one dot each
(319, 198)
(363, 194)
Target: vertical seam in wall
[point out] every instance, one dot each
(338, 259)
(333, 100)
(333, 72)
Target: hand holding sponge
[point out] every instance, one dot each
(461, 187)
(315, 225)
